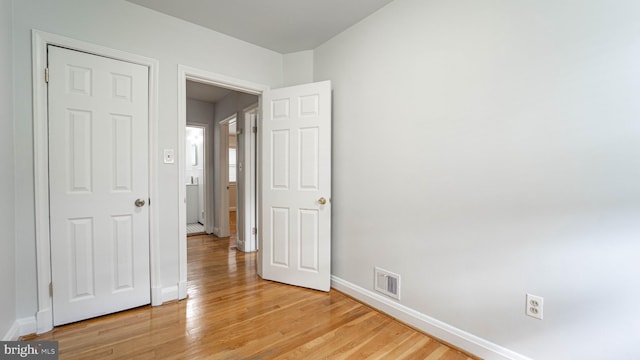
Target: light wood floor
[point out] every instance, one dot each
(232, 221)
(233, 314)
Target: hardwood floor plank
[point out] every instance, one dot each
(231, 313)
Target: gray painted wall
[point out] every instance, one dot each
(485, 149)
(7, 229)
(200, 111)
(128, 27)
(297, 68)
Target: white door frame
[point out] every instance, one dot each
(222, 191)
(205, 77)
(250, 179)
(39, 42)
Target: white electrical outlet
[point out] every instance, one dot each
(534, 306)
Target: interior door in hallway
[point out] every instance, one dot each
(99, 184)
(296, 185)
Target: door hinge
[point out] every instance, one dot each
(51, 289)
(254, 231)
(46, 75)
(255, 129)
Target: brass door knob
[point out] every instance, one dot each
(322, 201)
(140, 202)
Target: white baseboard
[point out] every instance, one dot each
(169, 293)
(177, 292)
(21, 327)
(44, 321)
(27, 325)
(445, 332)
(182, 290)
(156, 296)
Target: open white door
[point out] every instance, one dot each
(246, 214)
(296, 185)
(99, 184)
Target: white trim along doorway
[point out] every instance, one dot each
(186, 73)
(304, 111)
(40, 41)
(222, 190)
(247, 239)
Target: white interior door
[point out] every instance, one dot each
(99, 172)
(296, 185)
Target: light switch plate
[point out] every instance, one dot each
(169, 156)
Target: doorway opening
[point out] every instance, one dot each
(196, 179)
(229, 175)
(216, 167)
(232, 188)
(229, 203)
(216, 162)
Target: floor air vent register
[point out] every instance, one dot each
(387, 283)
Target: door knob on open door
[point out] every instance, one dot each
(322, 201)
(140, 202)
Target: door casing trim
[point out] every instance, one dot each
(39, 42)
(210, 78)
(222, 189)
(250, 241)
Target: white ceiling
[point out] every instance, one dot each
(284, 26)
(203, 92)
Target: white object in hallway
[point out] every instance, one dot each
(192, 203)
(296, 185)
(99, 185)
(247, 239)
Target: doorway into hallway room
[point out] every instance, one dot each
(232, 177)
(195, 173)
